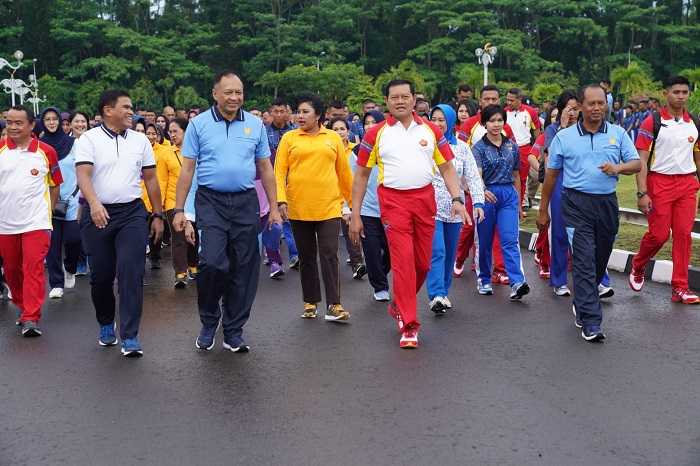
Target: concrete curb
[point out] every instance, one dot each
(621, 261)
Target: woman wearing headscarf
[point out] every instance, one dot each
(65, 236)
(447, 227)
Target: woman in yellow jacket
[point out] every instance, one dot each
(313, 178)
(185, 257)
(160, 153)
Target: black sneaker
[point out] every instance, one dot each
(359, 271)
(236, 345)
(206, 338)
(29, 329)
(437, 306)
(519, 290)
(592, 333)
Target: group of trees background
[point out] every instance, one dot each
(166, 51)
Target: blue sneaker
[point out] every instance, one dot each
(108, 336)
(131, 348)
(82, 269)
(577, 322)
(484, 288)
(592, 333)
(206, 338)
(519, 290)
(236, 345)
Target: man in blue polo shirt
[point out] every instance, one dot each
(592, 154)
(227, 145)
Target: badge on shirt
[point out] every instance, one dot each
(247, 131)
(423, 142)
(612, 141)
(34, 172)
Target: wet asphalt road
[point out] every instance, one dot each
(493, 383)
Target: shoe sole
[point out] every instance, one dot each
(485, 292)
(276, 275)
(107, 344)
(608, 294)
(680, 301)
(339, 319)
(382, 300)
(31, 333)
(522, 291)
(304, 316)
(593, 338)
(562, 295)
(132, 353)
(237, 349)
(180, 285)
(408, 345)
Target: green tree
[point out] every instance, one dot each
(186, 97)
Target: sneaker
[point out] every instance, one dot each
(562, 290)
(544, 272)
(458, 271)
(679, 295)
(409, 339)
(359, 271)
(266, 261)
(207, 337)
(108, 336)
(180, 281)
(446, 302)
(437, 306)
(484, 288)
(347, 261)
(82, 269)
(577, 322)
(382, 296)
(605, 291)
(519, 290)
(500, 279)
(131, 348)
(636, 280)
(56, 293)
(396, 315)
(309, 311)
(592, 333)
(192, 273)
(30, 329)
(336, 313)
(294, 262)
(236, 345)
(276, 270)
(68, 280)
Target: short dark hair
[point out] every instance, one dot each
(564, 99)
(515, 91)
(78, 112)
(464, 88)
(314, 100)
(336, 104)
(279, 102)
(336, 120)
(676, 80)
(226, 72)
(492, 110)
(181, 122)
(605, 81)
(21, 108)
(582, 92)
(109, 99)
(368, 101)
(399, 82)
(490, 87)
(158, 131)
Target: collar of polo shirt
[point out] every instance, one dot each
(666, 115)
(321, 130)
(216, 114)
(32, 147)
(391, 121)
(583, 131)
(112, 134)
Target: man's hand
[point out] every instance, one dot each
(99, 215)
(542, 219)
(156, 229)
(458, 210)
(275, 218)
(644, 204)
(282, 209)
(179, 222)
(490, 197)
(346, 218)
(610, 169)
(479, 215)
(189, 233)
(356, 229)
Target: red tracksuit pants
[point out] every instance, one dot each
(466, 243)
(23, 260)
(542, 248)
(524, 168)
(673, 206)
(408, 217)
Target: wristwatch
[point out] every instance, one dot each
(641, 194)
(458, 199)
(178, 211)
(157, 215)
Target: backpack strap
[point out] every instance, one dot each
(656, 116)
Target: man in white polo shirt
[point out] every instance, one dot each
(406, 148)
(526, 126)
(29, 184)
(110, 162)
(667, 187)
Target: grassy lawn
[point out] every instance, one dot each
(627, 192)
(628, 237)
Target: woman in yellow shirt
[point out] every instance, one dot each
(185, 257)
(313, 178)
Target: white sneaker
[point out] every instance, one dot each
(56, 293)
(605, 291)
(446, 302)
(68, 280)
(562, 290)
(382, 296)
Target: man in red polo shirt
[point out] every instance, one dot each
(526, 126)
(667, 187)
(29, 184)
(406, 148)
(471, 132)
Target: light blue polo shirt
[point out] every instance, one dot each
(226, 151)
(580, 154)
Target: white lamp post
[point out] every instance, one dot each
(11, 85)
(486, 56)
(629, 53)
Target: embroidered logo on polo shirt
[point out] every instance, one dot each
(247, 131)
(691, 139)
(423, 142)
(34, 172)
(612, 141)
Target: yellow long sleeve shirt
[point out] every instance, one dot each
(313, 174)
(171, 172)
(161, 153)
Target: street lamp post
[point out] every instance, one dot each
(486, 56)
(629, 53)
(3, 63)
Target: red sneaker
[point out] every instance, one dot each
(396, 315)
(458, 270)
(500, 279)
(679, 295)
(409, 339)
(544, 272)
(636, 280)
